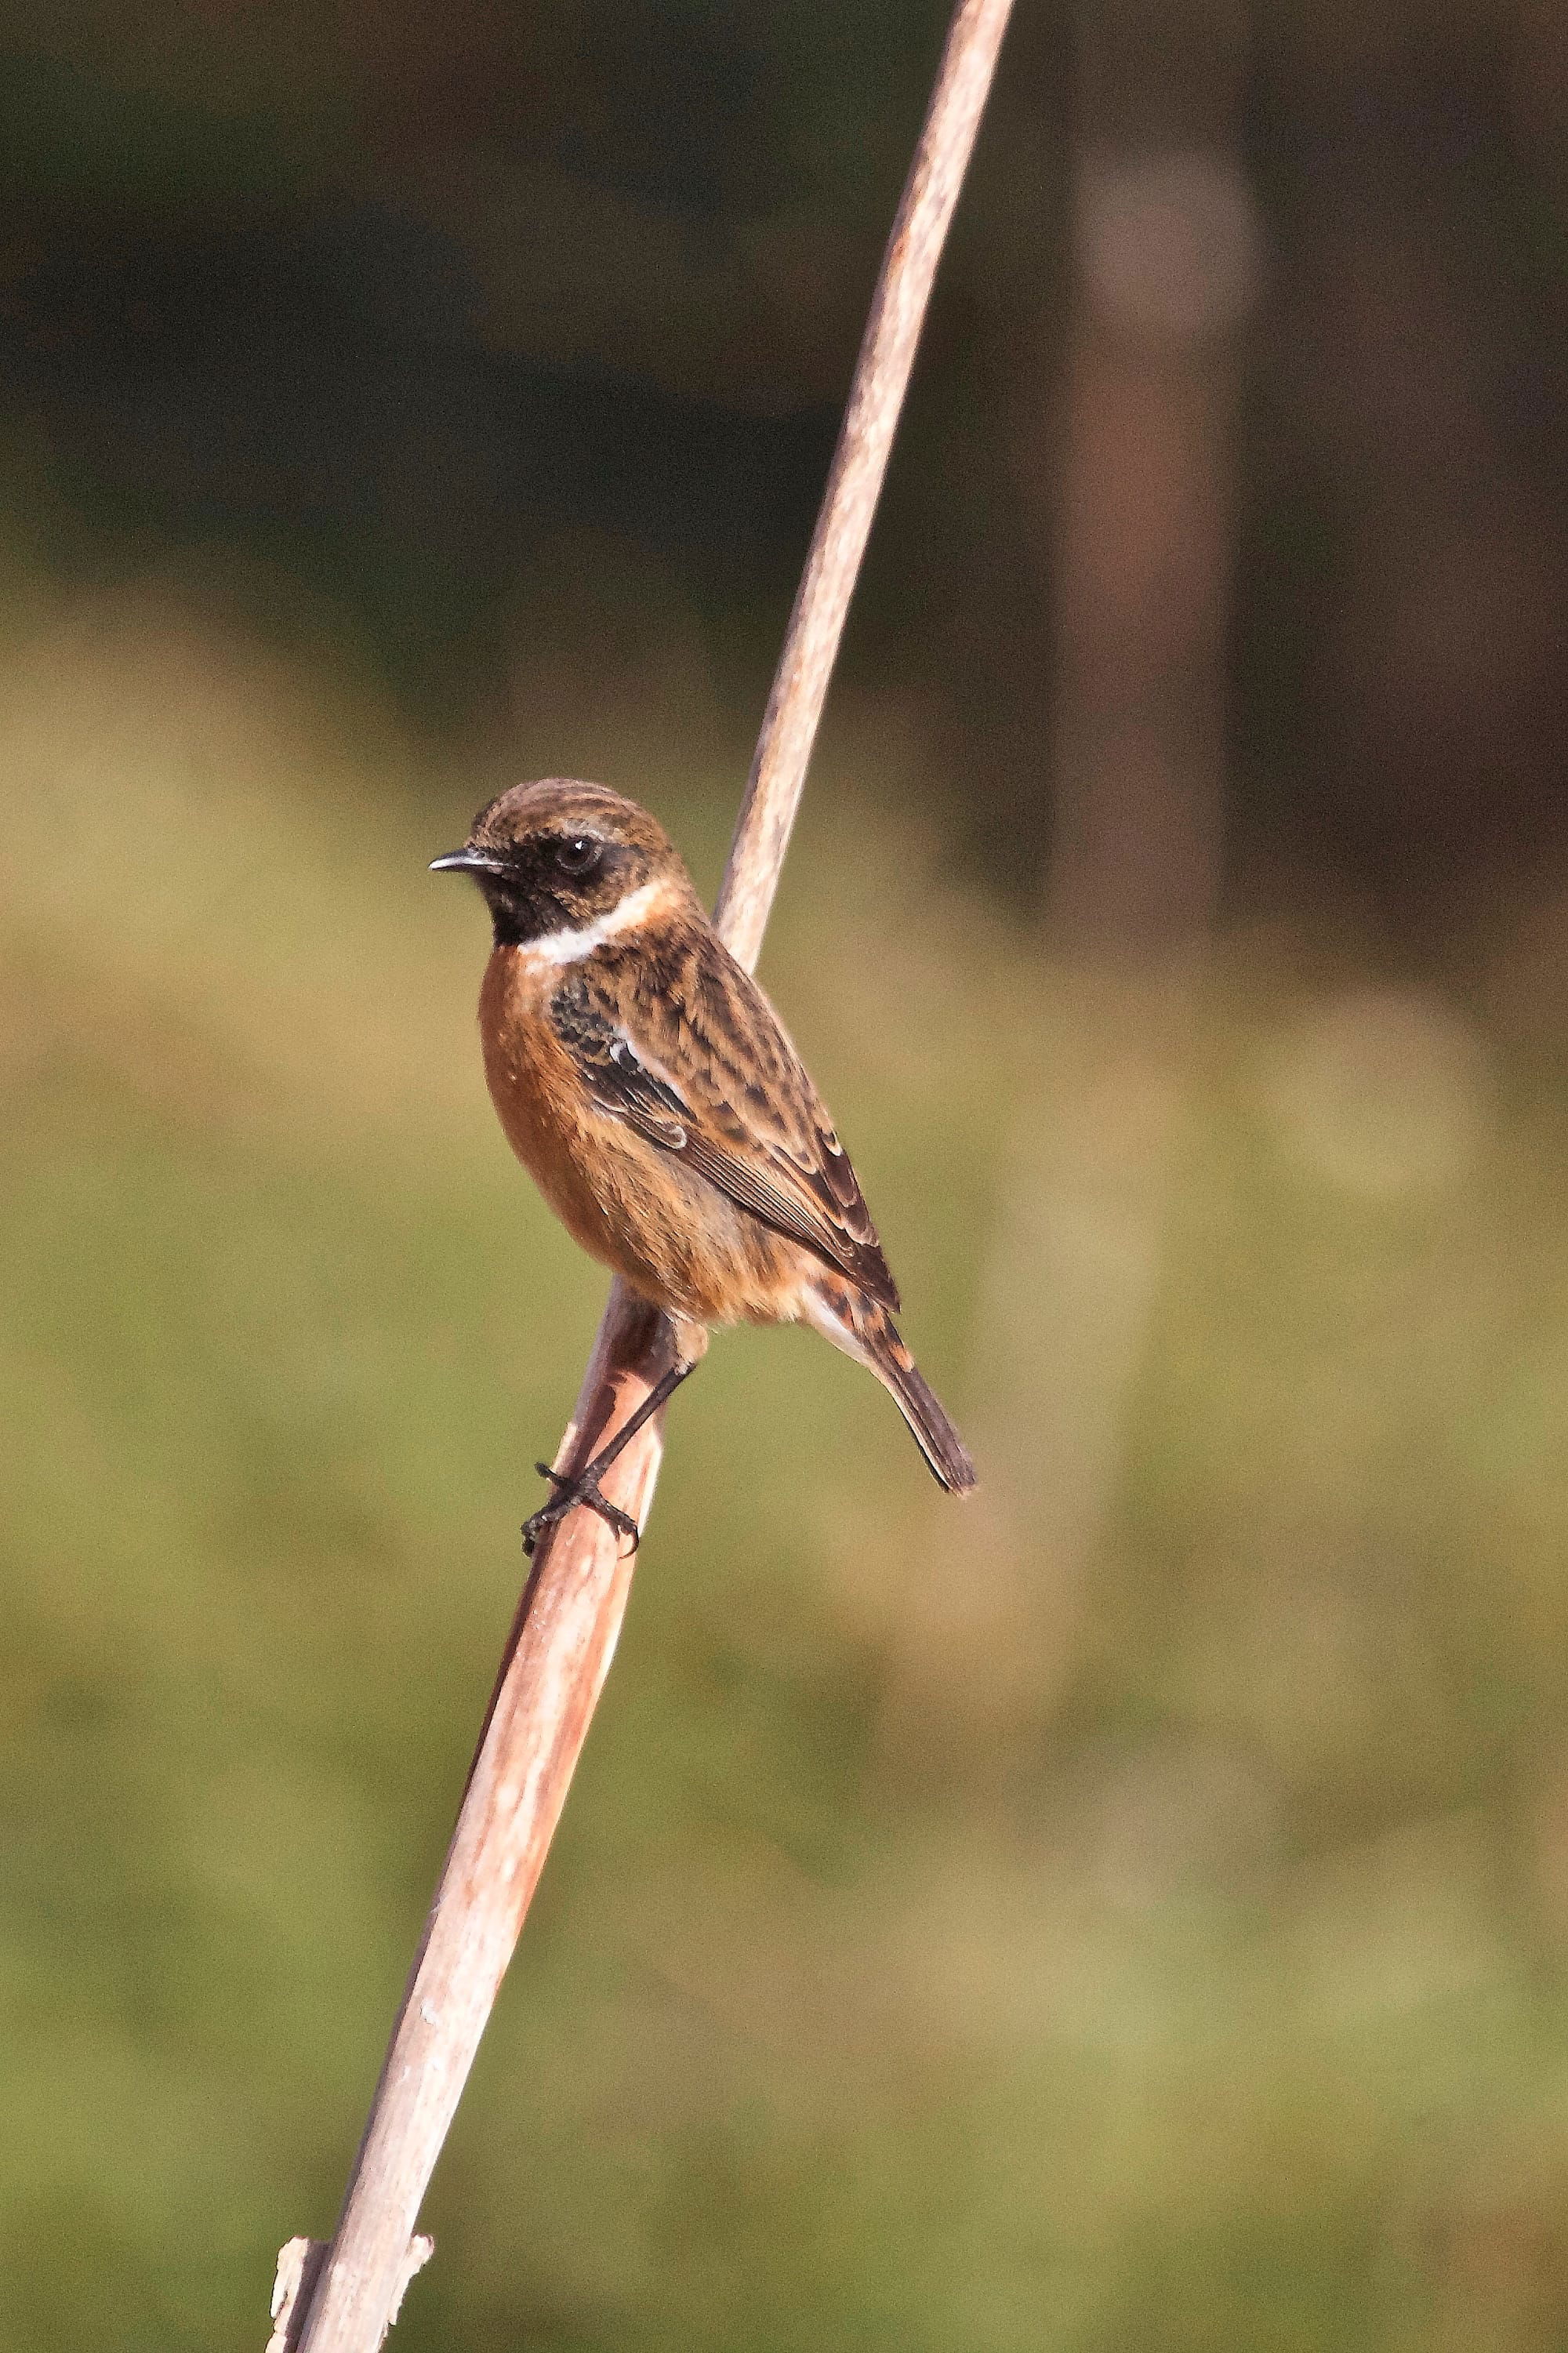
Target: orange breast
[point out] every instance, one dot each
(638, 1209)
(539, 1096)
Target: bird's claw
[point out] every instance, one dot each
(585, 1489)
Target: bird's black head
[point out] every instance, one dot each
(558, 858)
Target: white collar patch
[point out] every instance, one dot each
(571, 946)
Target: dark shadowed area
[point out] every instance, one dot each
(1130, 1909)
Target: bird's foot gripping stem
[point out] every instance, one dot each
(584, 1487)
(570, 1493)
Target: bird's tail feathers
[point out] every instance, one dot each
(864, 1329)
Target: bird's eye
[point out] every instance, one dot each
(578, 854)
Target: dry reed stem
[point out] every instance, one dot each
(859, 462)
(570, 1614)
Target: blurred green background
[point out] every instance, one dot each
(1130, 1910)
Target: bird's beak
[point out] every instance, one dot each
(465, 861)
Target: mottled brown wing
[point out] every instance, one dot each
(678, 1040)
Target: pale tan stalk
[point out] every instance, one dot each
(572, 1607)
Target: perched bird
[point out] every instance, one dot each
(646, 1082)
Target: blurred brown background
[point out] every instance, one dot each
(1133, 1909)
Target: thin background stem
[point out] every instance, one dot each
(570, 1614)
(1100, 1112)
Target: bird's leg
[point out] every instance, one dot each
(584, 1487)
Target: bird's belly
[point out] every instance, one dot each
(675, 1238)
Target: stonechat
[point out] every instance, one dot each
(647, 1086)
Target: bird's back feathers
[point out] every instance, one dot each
(675, 1039)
